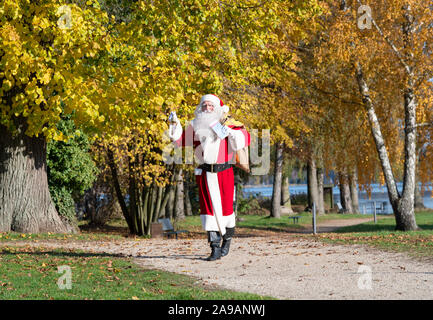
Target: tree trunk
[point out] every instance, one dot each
(25, 201)
(313, 196)
(179, 208)
(117, 188)
(419, 201)
(406, 217)
(320, 196)
(169, 209)
(159, 200)
(151, 206)
(346, 201)
(135, 210)
(285, 194)
(162, 211)
(278, 172)
(353, 184)
(403, 206)
(188, 206)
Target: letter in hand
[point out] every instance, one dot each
(219, 129)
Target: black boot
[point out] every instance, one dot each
(214, 238)
(227, 238)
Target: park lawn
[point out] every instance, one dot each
(32, 273)
(115, 229)
(16, 236)
(266, 223)
(247, 222)
(384, 236)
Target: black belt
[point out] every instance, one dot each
(217, 167)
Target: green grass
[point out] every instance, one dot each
(269, 223)
(15, 236)
(384, 236)
(189, 221)
(283, 224)
(339, 216)
(115, 229)
(29, 273)
(249, 222)
(387, 223)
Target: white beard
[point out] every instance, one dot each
(201, 125)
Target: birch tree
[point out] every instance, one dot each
(391, 59)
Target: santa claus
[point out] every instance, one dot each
(215, 147)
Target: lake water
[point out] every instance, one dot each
(379, 196)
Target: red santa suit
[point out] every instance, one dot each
(216, 189)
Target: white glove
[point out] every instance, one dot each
(175, 128)
(172, 118)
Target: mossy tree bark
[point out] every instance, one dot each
(25, 201)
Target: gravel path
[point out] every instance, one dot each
(281, 266)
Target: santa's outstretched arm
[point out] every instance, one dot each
(175, 128)
(180, 137)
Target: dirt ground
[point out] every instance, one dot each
(284, 266)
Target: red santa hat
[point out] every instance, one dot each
(217, 102)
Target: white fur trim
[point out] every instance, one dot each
(215, 101)
(209, 222)
(210, 97)
(211, 150)
(237, 139)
